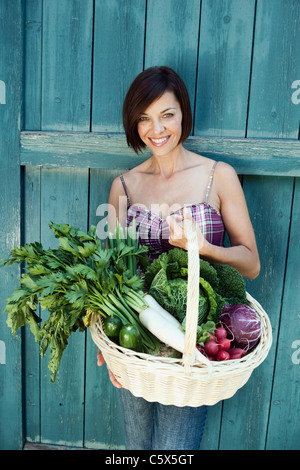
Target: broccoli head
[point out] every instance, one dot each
(232, 286)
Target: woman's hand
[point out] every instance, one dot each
(177, 234)
(100, 362)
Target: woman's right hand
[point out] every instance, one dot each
(100, 362)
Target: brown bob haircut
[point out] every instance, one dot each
(146, 88)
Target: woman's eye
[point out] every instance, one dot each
(143, 118)
(168, 115)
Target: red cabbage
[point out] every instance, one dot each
(242, 324)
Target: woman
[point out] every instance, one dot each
(172, 184)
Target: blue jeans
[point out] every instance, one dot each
(152, 426)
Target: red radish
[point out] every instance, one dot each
(212, 338)
(220, 333)
(222, 356)
(211, 348)
(236, 353)
(224, 344)
(200, 348)
(211, 358)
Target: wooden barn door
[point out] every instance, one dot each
(62, 144)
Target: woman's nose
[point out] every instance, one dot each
(158, 126)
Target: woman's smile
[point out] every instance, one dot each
(159, 142)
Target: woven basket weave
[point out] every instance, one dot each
(185, 381)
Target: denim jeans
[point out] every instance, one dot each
(152, 426)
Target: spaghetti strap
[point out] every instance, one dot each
(125, 189)
(210, 182)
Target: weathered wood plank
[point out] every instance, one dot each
(224, 67)
(284, 427)
(33, 64)
(118, 58)
(33, 446)
(11, 61)
(245, 416)
(31, 232)
(66, 65)
(64, 199)
(95, 150)
(175, 25)
(276, 66)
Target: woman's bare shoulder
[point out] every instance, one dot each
(223, 168)
(227, 183)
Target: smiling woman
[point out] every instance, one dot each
(157, 115)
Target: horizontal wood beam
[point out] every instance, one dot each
(108, 150)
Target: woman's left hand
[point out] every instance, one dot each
(177, 234)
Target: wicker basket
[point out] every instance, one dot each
(185, 381)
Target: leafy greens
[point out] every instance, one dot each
(72, 281)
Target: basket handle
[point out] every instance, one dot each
(192, 310)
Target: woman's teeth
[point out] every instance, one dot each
(159, 141)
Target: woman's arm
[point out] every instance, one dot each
(117, 205)
(242, 254)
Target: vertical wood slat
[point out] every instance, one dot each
(64, 199)
(276, 66)
(31, 179)
(272, 113)
(245, 416)
(33, 69)
(283, 429)
(31, 232)
(66, 66)
(172, 38)
(224, 67)
(66, 93)
(118, 58)
(11, 65)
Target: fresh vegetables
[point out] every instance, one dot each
(219, 347)
(112, 327)
(165, 327)
(130, 338)
(83, 276)
(78, 278)
(243, 325)
(166, 281)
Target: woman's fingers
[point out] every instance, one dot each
(177, 234)
(113, 379)
(177, 237)
(100, 362)
(100, 358)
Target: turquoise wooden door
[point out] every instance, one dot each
(65, 66)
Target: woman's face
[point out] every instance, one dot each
(159, 126)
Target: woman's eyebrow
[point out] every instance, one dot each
(161, 112)
(165, 110)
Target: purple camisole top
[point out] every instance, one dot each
(154, 231)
